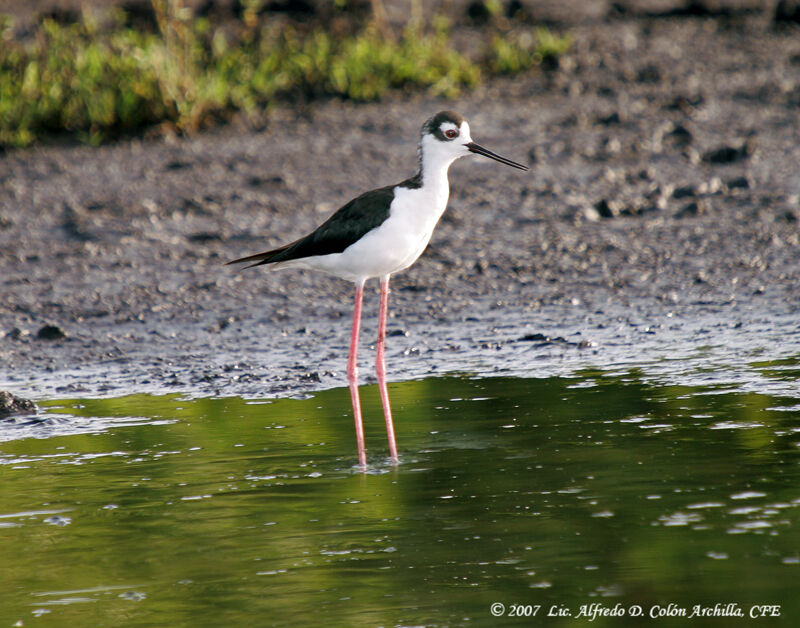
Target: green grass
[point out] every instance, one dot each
(96, 84)
(515, 53)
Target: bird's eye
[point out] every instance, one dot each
(451, 133)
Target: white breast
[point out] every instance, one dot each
(402, 238)
(395, 244)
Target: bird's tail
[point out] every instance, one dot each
(259, 258)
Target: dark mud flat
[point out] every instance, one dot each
(660, 220)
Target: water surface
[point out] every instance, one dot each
(605, 487)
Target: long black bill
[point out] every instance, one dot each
(480, 150)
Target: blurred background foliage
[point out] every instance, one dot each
(179, 72)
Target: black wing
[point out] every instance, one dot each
(345, 227)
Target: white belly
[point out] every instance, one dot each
(391, 247)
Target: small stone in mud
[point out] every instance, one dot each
(727, 154)
(695, 208)
(95, 206)
(257, 181)
(17, 333)
(177, 164)
(51, 332)
(77, 224)
(685, 103)
(684, 191)
(712, 186)
(534, 338)
(649, 74)
(548, 340)
(204, 236)
(224, 323)
(612, 118)
(607, 209)
(11, 405)
(588, 213)
(679, 135)
(738, 183)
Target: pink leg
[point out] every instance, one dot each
(380, 366)
(352, 376)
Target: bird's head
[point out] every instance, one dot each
(446, 137)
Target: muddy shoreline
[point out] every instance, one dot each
(661, 214)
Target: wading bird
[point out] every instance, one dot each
(380, 233)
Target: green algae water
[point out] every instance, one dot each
(599, 499)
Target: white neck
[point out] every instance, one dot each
(435, 159)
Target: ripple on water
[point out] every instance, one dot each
(579, 487)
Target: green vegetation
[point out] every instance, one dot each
(516, 53)
(95, 83)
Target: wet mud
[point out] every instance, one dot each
(660, 218)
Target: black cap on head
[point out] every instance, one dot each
(434, 125)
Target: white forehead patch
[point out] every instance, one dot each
(465, 131)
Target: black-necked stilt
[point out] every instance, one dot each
(380, 233)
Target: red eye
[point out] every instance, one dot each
(451, 133)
